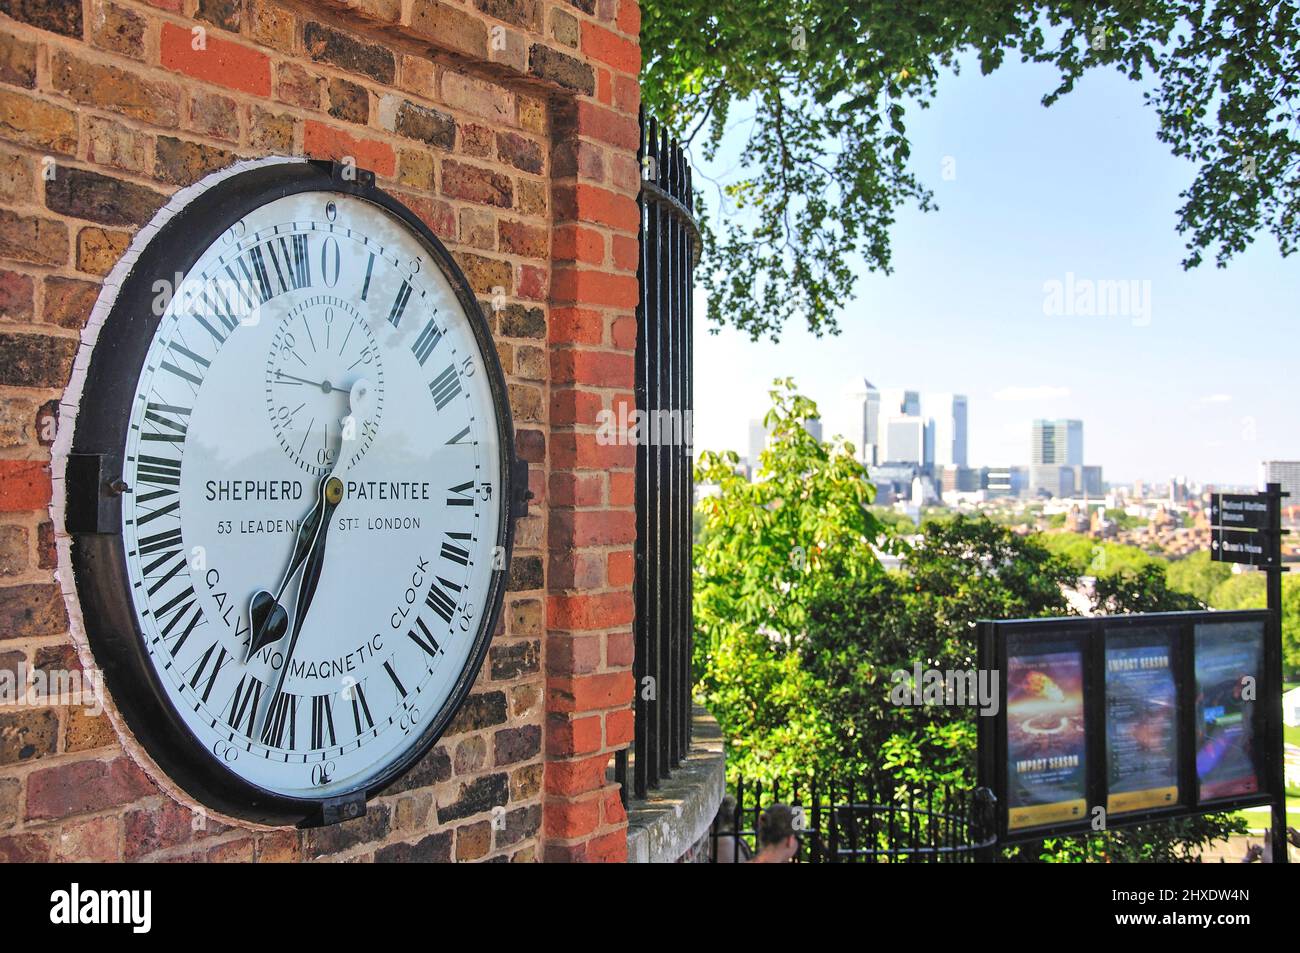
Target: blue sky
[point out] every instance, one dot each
(1206, 388)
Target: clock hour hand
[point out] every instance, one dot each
(332, 495)
(268, 620)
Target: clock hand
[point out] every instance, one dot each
(323, 385)
(267, 617)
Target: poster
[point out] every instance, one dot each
(1141, 721)
(1046, 777)
(1229, 672)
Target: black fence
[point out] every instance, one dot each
(857, 823)
(664, 483)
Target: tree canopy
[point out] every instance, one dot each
(824, 168)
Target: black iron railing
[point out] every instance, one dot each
(853, 822)
(664, 483)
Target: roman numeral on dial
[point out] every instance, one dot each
(399, 305)
(216, 657)
(281, 720)
(426, 342)
(424, 638)
(322, 721)
(360, 708)
(454, 551)
(440, 602)
(244, 703)
(444, 387)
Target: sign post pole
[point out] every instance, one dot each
(1273, 576)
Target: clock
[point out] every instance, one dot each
(290, 490)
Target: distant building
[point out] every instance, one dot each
(906, 439)
(861, 419)
(1005, 481)
(949, 414)
(814, 427)
(1286, 472)
(1056, 449)
(894, 480)
(757, 444)
(959, 479)
(896, 401)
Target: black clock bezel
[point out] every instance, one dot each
(97, 547)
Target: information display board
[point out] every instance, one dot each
(1109, 721)
(1141, 720)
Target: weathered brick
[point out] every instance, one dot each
(37, 123)
(84, 731)
(556, 67)
(218, 61)
(93, 840)
(526, 782)
(449, 28)
(340, 837)
(297, 86)
(27, 734)
(512, 745)
(525, 573)
(471, 755)
(527, 241)
(434, 849)
(17, 296)
(223, 13)
(523, 13)
(113, 144)
(17, 61)
(327, 45)
(473, 184)
(85, 193)
(182, 162)
(483, 710)
(117, 28)
(349, 101)
(68, 301)
(427, 125)
(213, 114)
(473, 841)
(531, 197)
(564, 27)
(30, 611)
(270, 132)
(515, 659)
(10, 790)
(27, 848)
(475, 797)
(84, 786)
(518, 321)
(98, 249)
(325, 142)
(433, 768)
(415, 167)
(271, 25)
(56, 16)
(485, 274)
(478, 97)
(521, 152)
(107, 87)
(36, 360)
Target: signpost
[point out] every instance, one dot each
(1246, 528)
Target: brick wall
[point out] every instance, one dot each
(510, 127)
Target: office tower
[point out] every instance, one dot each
(949, 414)
(896, 401)
(861, 420)
(905, 439)
(1286, 472)
(1057, 443)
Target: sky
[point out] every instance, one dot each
(1201, 385)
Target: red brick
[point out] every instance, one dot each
(325, 142)
(597, 368)
(620, 567)
(622, 489)
(222, 62)
(565, 738)
(581, 451)
(461, 181)
(627, 94)
(583, 571)
(571, 818)
(619, 727)
(627, 253)
(26, 848)
(608, 848)
(589, 692)
(567, 778)
(590, 203)
(609, 47)
(572, 654)
(576, 489)
(573, 242)
(24, 485)
(532, 283)
(611, 808)
(595, 288)
(623, 332)
(605, 125)
(575, 407)
(604, 86)
(602, 611)
(575, 326)
(629, 17)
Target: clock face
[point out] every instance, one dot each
(316, 527)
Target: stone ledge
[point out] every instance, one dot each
(665, 826)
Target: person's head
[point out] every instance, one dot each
(777, 837)
(727, 815)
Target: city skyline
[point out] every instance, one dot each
(1193, 381)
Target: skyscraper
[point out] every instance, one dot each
(949, 413)
(906, 439)
(1286, 472)
(861, 421)
(1057, 443)
(895, 401)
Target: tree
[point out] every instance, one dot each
(1198, 575)
(767, 550)
(824, 167)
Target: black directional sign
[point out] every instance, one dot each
(1239, 510)
(1242, 546)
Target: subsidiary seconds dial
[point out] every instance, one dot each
(320, 349)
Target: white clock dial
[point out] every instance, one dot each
(241, 415)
